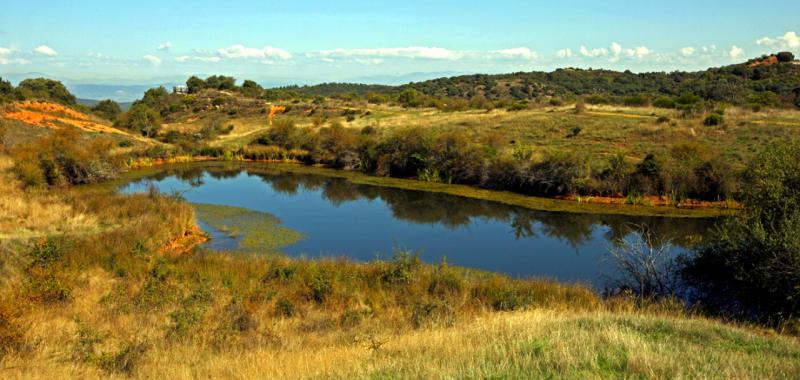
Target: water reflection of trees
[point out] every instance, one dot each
(455, 212)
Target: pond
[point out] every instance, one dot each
(331, 216)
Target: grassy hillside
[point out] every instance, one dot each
(764, 81)
(109, 287)
(99, 284)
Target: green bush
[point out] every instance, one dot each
(636, 101)
(57, 159)
(142, 119)
(401, 269)
(713, 120)
(108, 109)
(664, 102)
(750, 266)
(44, 89)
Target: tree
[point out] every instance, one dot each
(5, 88)
(142, 119)
(108, 109)
(195, 84)
(411, 98)
(785, 56)
(155, 98)
(750, 266)
(221, 82)
(251, 88)
(45, 89)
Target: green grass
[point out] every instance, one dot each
(256, 232)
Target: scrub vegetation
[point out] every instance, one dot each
(94, 283)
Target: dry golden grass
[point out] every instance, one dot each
(37, 212)
(541, 343)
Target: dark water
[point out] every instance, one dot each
(363, 222)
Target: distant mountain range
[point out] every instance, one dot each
(93, 102)
(766, 81)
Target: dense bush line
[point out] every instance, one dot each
(64, 158)
(750, 266)
(688, 172)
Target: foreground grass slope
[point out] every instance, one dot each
(540, 343)
(122, 301)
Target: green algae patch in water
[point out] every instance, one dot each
(244, 230)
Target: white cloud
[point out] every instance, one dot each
(369, 61)
(613, 53)
(5, 51)
(638, 52)
(736, 52)
(152, 59)
(96, 55)
(616, 48)
(516, 53)
(790, 40)
(687, 51)
(240, 51)
(709, 49)
(600, 52)
(564, 53)
(186, 58)
(13, 61)
(45, 50)
(165, 46)
(411, 52)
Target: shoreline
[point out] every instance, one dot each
(572, 204)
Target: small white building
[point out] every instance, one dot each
(180, 90)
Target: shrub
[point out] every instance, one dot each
(501, 295)
(648, 176)
(57, 159)
(428, 314)
(785, 56)
(12, 334)
(750, 265)
(108, 109)
(124, 360)
(142, 119)
(714, 119)
(405, 151)
(598, 99)
(284, 308)
(615, 175)
(445, 283)
(319, 283)
(636, 101)
(401, 268)
(519, 106)
(411, 98)
(664, 102)
(44, 89)
(556, 174)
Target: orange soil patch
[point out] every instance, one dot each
(771, 60)
(186, 243)
(51, 115)
(52, 108)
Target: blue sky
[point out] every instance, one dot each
(315, 41)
